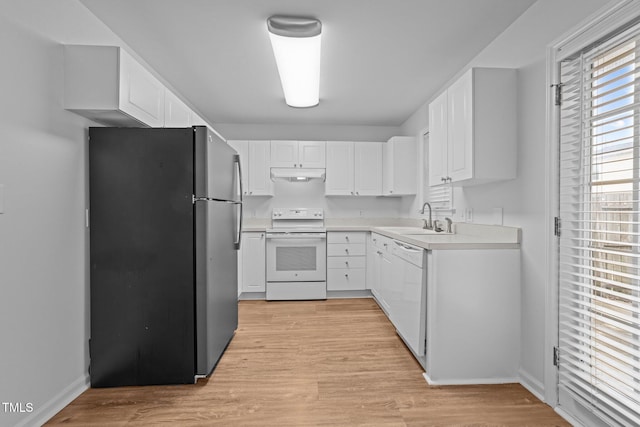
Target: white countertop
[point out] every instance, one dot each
(466, 236)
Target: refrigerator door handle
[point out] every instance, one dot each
(236, 244)
(236, 159)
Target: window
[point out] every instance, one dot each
(599, 253)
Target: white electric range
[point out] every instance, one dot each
(296, 255)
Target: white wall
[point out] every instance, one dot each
(307, 132)
(311, 194)
(43, 274)
(523, 46)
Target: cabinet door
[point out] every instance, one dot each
(284, 154)
(387, 169)
(242, 147)
(253, 262)
(176, 112)
(141, 94)
(339, 179)
(386, 282)
(311, 154)
(196, 120)
(372, 266)
(438, 140)
(260, 183)
(367, 168)
(460, 128)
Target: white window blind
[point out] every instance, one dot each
(599, 245)
(441, 197)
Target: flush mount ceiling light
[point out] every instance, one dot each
(296, 46)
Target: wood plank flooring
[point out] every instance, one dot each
(312, 363)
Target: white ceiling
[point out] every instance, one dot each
(381, 59)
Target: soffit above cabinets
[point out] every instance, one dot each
(381, 59)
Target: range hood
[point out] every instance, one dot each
(297, 174)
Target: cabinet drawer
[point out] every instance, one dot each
(345, 249)
(346, 237)
(381, 242)
(346, 262)
(343, 279)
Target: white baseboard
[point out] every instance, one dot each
(470, 381)
(533, 385)
(54, 405)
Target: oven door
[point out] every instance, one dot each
(296, 257)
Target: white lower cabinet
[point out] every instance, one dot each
(473, 316)
(459, 314)
(380, 270)
(252, 262)
(346, 261)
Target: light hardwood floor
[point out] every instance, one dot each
(312, 363)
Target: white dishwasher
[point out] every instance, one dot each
(408, 303)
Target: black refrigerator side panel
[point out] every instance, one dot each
(142, 256)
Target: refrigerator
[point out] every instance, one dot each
(165, 221)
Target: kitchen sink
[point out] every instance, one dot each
(411, 230)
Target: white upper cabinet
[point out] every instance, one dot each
(196, 120)
(105, 84)
(176, 112)
(339, 177)
(255, 162)
(354, 168)
(141, 94)
(298, 154)
(472, 129)
(438, 140)
(367, 168)
(399, 166)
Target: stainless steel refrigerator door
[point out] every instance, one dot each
(216, 169)
(216, 281)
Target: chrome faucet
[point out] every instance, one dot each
(428, 224)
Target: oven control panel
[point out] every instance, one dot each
(297, 213)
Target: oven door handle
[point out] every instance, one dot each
(297, 236)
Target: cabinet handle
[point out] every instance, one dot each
(347, 262)
(357, 193)
(346, 275)
(379, 253)
(346, 250)
(346, 238)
